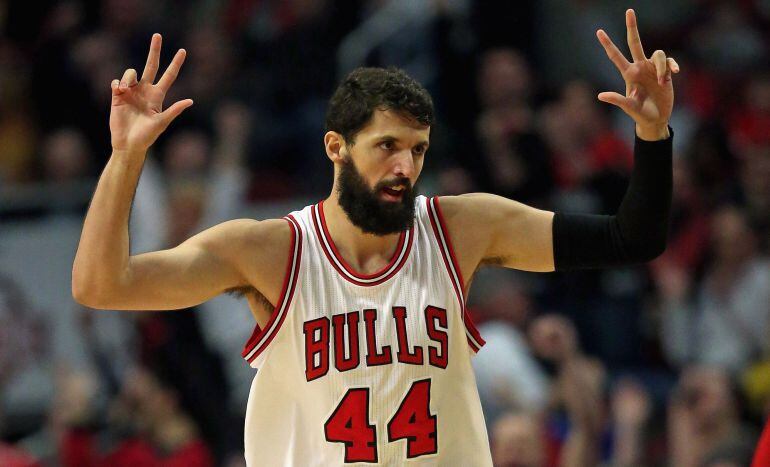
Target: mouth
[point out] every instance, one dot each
(392, 194)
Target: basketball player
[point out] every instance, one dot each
(362, 343)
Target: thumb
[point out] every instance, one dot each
(616, 99)
(175, 110)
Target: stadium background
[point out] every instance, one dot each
(672, 360)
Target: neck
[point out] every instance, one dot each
(366, 253)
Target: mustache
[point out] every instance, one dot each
(398, 181)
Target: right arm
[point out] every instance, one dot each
(104, 275)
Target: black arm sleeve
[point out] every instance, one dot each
(637, 233)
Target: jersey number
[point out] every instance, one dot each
(349, 424)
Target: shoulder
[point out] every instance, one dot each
(500, 231)
(251, 231)
(258, 249)
(466, 219)
(242, 239)
(480, 208)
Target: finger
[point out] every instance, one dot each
(128, 79)
(672, 65)
(661, 65)
(615, 55)
(115, 86)
(153, 59)
(634, 42)
(172, 71)
(616, 99)
(175, 110)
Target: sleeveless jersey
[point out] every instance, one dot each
(367, 369)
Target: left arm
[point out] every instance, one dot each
(494, 230)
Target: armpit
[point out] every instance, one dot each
(259, 305)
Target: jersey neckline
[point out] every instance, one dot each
(400, 255)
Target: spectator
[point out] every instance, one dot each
(517, 115)
(725, 323)
(25, 378)
(631, 408)
(518, 441)
(704, 422)
(160, 432)
(508, 377)
(515, 158)
(203, 184)
(66, 156)
(576, 399)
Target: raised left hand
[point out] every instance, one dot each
(649, 95)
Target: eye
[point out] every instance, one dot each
(388, 145)
(419, 150)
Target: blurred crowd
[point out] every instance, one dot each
(662, 365)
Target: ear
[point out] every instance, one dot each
(334, 142)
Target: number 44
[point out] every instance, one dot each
(349, 424)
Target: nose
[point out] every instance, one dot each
(404, 165)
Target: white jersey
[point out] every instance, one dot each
(367, 369)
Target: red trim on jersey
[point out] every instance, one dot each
(373, 358)
(346, 324)
(762, 453)
(344, 263)
(434, 223)
(442, 226)
(261, 338)
(455, 275)
(397, 261)
(403, 353)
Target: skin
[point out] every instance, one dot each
(244, 253)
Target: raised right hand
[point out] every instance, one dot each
(137, 117)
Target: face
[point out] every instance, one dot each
(553, 338)
(517, 442)
(376, 175)
(706, 392)
(731, 236)
(504, 76)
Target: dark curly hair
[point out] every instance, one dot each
(365, 90)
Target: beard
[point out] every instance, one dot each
(364, 207)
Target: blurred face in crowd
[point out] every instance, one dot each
(707, 395)
(378, 171)
(754, 173)
(758, 92)
(553, 338)
(187, 153)
(580, 107)
(151, 401)
(124, 15)
(65, 156)
(504, 78)
(186, 205)
(517, 441)
(732, 239)
(510, 302)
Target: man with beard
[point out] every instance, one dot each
(363, 345)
